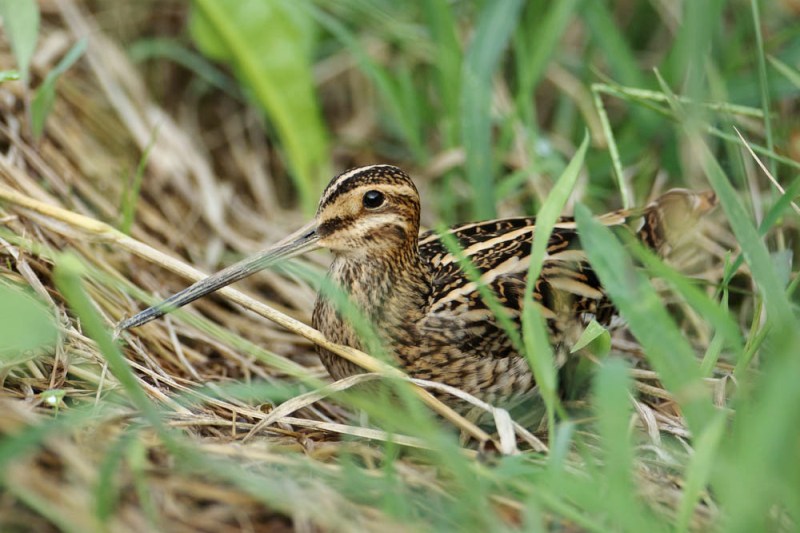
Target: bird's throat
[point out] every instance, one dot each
(382, 297)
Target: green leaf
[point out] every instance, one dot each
(21, 24)
(534, 332)
(698, 473)
(612, 399)
(67, 275)
(788, 72)
(665, 346)
(46, 93)
(496, 23)
(713, 313)
(9, 75)
(595, 335)
(26, 326)
(269, 45)
(388, 84)
(130, 195)
(596, 340)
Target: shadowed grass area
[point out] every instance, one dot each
(220, 419)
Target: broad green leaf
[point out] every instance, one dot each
(269, 45)
(21, 24)
(46, 93)
(26, 326)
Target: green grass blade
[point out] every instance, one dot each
(716, 316)
(608, 35)
(753, 248)
(384, 79)
(442, 25)
(21, 24)
(30, 437)
(612, 404)
(761, 439)
(771, 218)
(42, 505)
(45, 95)
(692, 45)
(613, 150)
(269, 45)
(107, 492)
(131, 193)
(534, 331)
(68, 280)
(541, 45)
(788, 72)
(665, 347)
(698, 473)
(496, 23)
(26, 326)
(171, 49)
(489, 298)
(763, 82)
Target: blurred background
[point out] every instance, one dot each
(482, 102)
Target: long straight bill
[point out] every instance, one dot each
(302, 241)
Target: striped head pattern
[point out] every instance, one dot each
(368, 210)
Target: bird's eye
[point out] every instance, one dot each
(373, 199)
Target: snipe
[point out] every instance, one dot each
(432, 319)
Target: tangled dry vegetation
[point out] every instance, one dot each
(212, 189)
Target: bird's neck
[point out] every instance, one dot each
(390, 290)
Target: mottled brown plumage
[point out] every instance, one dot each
(430, 318)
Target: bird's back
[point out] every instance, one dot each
(498, 251)
(460, 321)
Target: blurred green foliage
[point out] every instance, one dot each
(269, 44)
(26, 326)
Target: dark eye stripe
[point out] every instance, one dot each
(334, 224)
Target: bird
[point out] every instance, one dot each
(427, 313)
